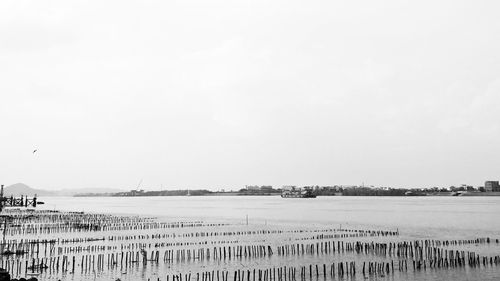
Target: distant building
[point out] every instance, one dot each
(266, 188)
(257, 189)
(289, 187)
(135, 192)
(492, 186)
(252, 187)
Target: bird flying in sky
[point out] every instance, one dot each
(35, 151)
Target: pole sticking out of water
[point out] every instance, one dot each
(247, 219)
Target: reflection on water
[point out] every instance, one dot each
(433, 217)
(290, 222)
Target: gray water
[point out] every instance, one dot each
(418, 217)
(415, 218)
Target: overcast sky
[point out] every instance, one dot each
(219, 94)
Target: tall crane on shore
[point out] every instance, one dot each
(139, 185)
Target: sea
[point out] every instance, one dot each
(414, 218)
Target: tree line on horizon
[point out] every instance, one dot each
(317, 190)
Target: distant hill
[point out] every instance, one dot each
(19, 189)
(22, 189)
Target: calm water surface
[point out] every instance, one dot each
(415, 217)
(419, 217)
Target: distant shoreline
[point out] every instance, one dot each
(21, 189)
(213, 194)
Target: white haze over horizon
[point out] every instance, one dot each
(220, 94)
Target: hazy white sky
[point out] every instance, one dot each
(219, 94)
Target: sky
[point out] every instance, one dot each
(227, 93)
